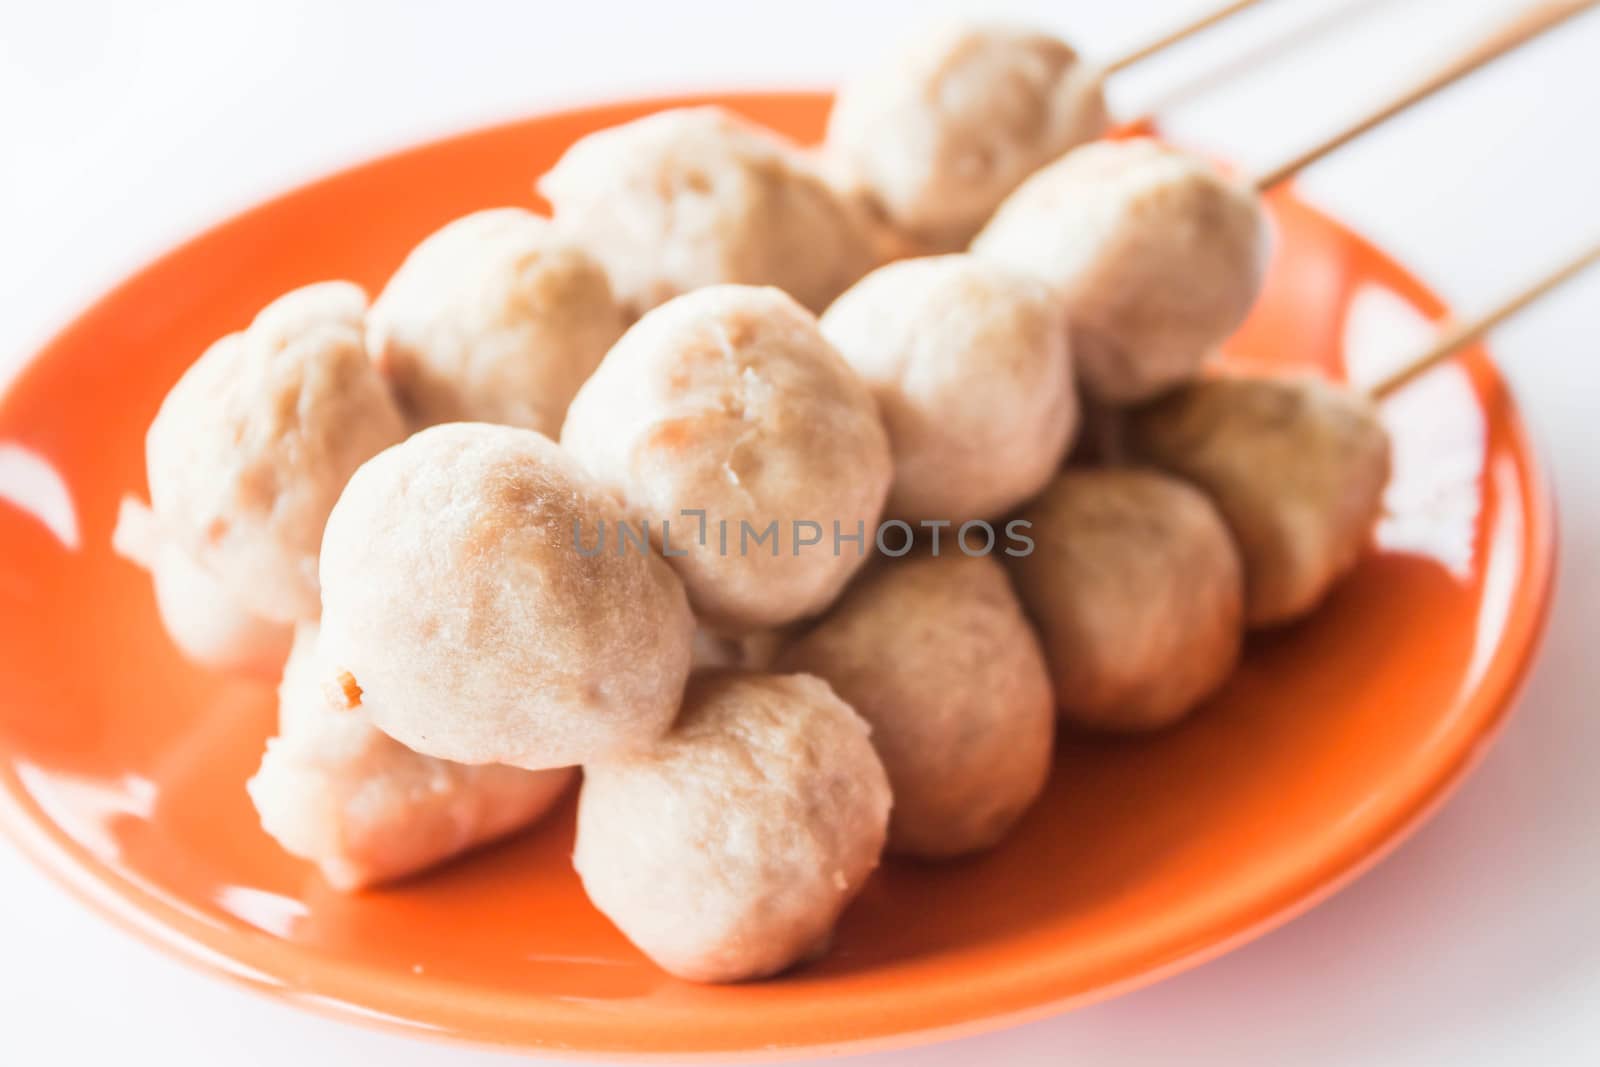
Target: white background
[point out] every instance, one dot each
(126, 126)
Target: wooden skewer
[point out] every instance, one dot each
(1174, 36)
(1519, 31)
(1457, 334)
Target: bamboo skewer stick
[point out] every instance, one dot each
(1176, 35)
(1525, 27)
(1457, 334)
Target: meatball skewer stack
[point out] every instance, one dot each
(1297, 464)
(471, 621)
(1158, 258)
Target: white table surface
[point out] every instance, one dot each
(124, 127)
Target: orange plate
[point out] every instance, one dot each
(122, 769)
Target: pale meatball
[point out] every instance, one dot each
(969, 364)
(728, 851)
(936, 135)
(1137, 591)
(461, 611)
(695, 197)
(1297, 466)
(254, 443)
(1158, 257)
(206, 624)
(337, 791)
(497, 317)
(729, 403)
(936, 655)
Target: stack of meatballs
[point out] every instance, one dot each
(393, 507)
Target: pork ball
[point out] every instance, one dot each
(728, 851)
(254, 443)
(1137, 591)
(969, 364)
(938, 134)
(461, 610)
(497, 317)
(935, 654)
(737, 433)
(1297, 466)
(695, 197)
(206, 624)
(337, 791)
(1158, 257)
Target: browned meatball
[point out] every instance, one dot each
(1136, 588)
(936, 655)
(1297, 465)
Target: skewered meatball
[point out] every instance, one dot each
(934, 652)
(1136, 588)
(936, 136)
(728, 851)
(695, 197)
(460, 610)
(497, 317)
(729, 402)
(1157, 256)
(969, 364)
(335, 790)
(1296, 465)
(202, 619)
(253, 444)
